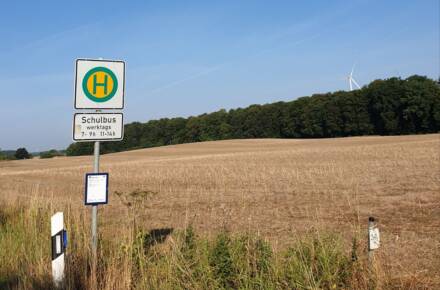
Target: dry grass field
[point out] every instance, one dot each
(278, 189)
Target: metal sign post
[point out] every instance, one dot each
(99, 85)
(95, 207)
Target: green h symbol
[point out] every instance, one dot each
(96, 84)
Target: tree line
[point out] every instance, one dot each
(392, 106)
(22, 153)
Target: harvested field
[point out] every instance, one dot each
(279, 189)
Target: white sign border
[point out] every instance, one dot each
(100, 140)
(75, 83)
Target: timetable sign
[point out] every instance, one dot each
(96, 188)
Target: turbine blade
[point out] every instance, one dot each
(355, 82)
(352, 69)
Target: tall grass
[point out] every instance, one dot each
(167, 259)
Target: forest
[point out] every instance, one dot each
(392, 106)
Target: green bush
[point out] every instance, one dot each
(319, 263)
(221, 262)
(22, 153)
(50, 154)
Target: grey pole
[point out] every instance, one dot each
(95, 212)
(95, 207)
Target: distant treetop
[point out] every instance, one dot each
(22, 153)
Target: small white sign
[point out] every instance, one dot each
(374, 238)
(99, 84)
(96, 188)
(98, 127)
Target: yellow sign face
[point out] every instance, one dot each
(100, 84)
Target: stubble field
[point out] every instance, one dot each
(277, 189)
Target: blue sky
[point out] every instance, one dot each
(189, 57)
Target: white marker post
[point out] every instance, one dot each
(59, 243)
(373, 237)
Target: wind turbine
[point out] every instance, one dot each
(352, 81)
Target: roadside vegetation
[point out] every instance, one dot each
(163, 259)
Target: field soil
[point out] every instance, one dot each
(280, 189)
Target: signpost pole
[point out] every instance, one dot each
(95, 211)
